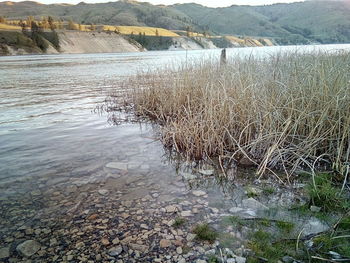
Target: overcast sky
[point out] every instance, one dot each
(212, 3)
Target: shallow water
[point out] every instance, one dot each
(57, 154)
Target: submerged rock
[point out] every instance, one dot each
(198, 193)
(243, 213)
(103, 192)
(4, 252)
(240, 260)
(188, 176)
(115, 251)
(251, 203)
(314, 226)
(117, 165)
(315, 209)
(28, 248)
(206, 172)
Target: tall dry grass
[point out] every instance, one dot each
(284, 111)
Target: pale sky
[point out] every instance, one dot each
(211, 3)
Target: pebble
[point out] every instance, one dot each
(206, 172)
(186, 213)
(93, 217)
(115, 241)
(198, 193)
(138, 247)
(189, 176)
(171, 209)
(105, 241)
(115, 251)
(119, 166)
(164, 243)
(103, 192)
(240, 260)
(28, 248)
(315, 209)
(179, 250)
(253, 204)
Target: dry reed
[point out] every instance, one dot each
(285, 111)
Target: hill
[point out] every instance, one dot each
(294, 23)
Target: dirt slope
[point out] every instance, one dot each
(87, 42)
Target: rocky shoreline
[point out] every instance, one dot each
(122, 216)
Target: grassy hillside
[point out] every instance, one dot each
(127, 13)
(304, 22)
(322, 21)
(295, 23)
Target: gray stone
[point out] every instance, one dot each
(229, 252)
(117, 165)
(171, 209)
(201, 261)
(230, 260)
(186, 213)
(235, 210)
(314, 226)
(115, 251)
(28, 248)
(179, 250)
(103, 192)
(35, 193)
(335, 255)
(240, 260)
(138, 247)
(206, 172)
(210, 252)
(287, 259)
(4, 252)
(190, 237)
(189, 176)
(253, 204)
(243, 213)
(315, 209)
(198, 193)
(115, 241)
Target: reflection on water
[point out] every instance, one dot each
(65, 172)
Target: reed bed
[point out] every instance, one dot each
(285, 111)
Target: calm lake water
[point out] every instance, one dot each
(46, 118)
(51, 138)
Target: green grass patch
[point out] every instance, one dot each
(213, 259)
(286, 227)
(179, 221)
(268, 190)
(226, 239)
(205, 232)
(324, 193)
